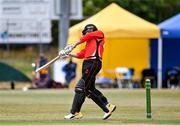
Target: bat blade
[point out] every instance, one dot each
(47, 64)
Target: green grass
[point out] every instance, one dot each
(48, 107)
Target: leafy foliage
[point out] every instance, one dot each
(154, 11)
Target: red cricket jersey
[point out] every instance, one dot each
(94, 45)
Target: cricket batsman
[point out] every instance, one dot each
(92, 55)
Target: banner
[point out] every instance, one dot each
(25, 31)
(25, 21)
(29, 21)
(36, 9)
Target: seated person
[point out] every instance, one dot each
(172, 77)
(149, 73)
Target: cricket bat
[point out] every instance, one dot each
(47, 64)
(67, 50)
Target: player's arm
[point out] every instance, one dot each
(89, 36)
(81, 40)
(66, 51)
(79, 55)
(84, 38)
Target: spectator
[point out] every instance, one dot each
(70, 72)
(173, 77)
(42, 79)
(149, 74)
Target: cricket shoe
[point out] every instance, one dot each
(106, 115)
(77, 115)
(69, 116)
(111, 107)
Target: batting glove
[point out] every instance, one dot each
(69, 47)
(62, 53)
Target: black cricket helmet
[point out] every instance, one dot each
(89, 28)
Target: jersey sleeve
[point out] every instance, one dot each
(81, 54)
(92, 35)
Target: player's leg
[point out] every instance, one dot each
(90, 86)
(90, 94)
(102, 102)
(110, 106)
(96, 95)
(79, 96)
(78, 100)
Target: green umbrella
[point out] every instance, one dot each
(8, 73)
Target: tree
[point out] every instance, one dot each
(154, 11)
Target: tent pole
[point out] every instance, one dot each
(160, 57)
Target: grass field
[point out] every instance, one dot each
(48, 107)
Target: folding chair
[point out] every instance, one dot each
(124, 77)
